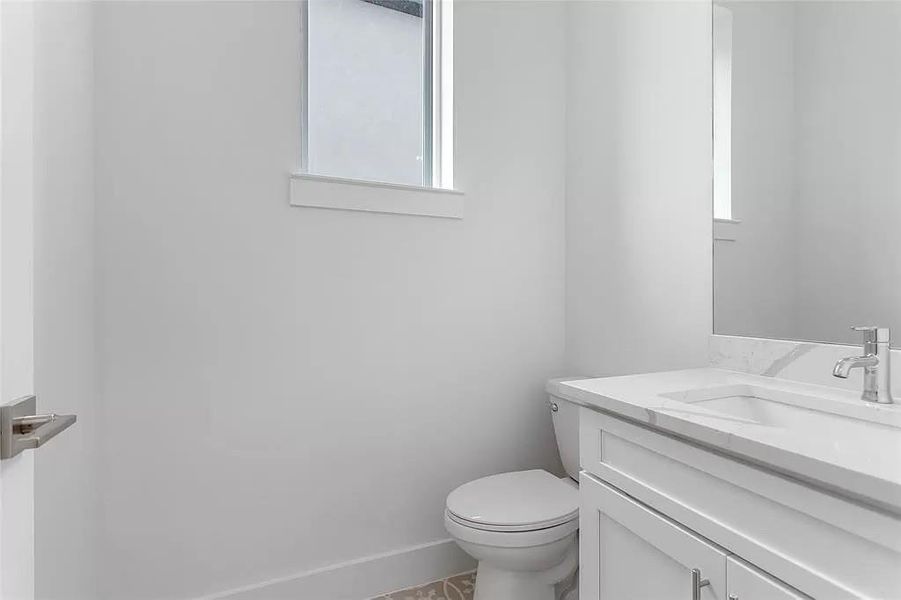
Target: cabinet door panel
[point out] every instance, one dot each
(746, 582)
(630, 552)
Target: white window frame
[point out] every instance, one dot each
(440, 50)
(437, 198)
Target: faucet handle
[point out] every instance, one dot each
(873, 334)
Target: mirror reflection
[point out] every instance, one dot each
(807, 168)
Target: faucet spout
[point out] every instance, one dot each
(876, 365)
(843, 367)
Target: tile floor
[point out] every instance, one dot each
(458, 587)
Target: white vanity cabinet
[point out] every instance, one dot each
(745, 582)
(629, 552)
(656, 507)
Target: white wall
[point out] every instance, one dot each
(66, 491)
(286, 388)
(365, 95)
(638, 198)
(754, 275)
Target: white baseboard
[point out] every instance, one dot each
(362, 578)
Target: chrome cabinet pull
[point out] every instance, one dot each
(697, 583)
(733, 597)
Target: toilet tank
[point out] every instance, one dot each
(565, 415)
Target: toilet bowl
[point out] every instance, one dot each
(522, 529)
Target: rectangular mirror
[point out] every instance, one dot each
(807, 168)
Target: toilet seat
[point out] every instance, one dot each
(509, 539)
(517, 502)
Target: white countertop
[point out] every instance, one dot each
(865, 469)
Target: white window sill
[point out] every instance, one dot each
(337, 193)
(725, 230)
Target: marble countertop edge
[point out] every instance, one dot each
(641, 399)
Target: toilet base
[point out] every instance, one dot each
(521, 565)
(498, 584)
(538, 573)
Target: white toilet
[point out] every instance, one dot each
(522, 527)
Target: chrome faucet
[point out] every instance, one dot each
(875, 362)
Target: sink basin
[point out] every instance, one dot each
(839, 419)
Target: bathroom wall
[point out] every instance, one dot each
(66, 491)
(638, 196)
(287, 388)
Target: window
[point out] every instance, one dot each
(377, 91)
(722, 113)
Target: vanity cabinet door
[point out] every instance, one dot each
(746, 582)
(630, 552)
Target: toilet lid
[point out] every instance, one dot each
(519, 501)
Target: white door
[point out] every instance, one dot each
(630, 552)
(22, 429)
(16, 276)
(747, 582)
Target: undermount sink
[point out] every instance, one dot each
(823, 417)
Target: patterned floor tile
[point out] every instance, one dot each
(458, 587)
